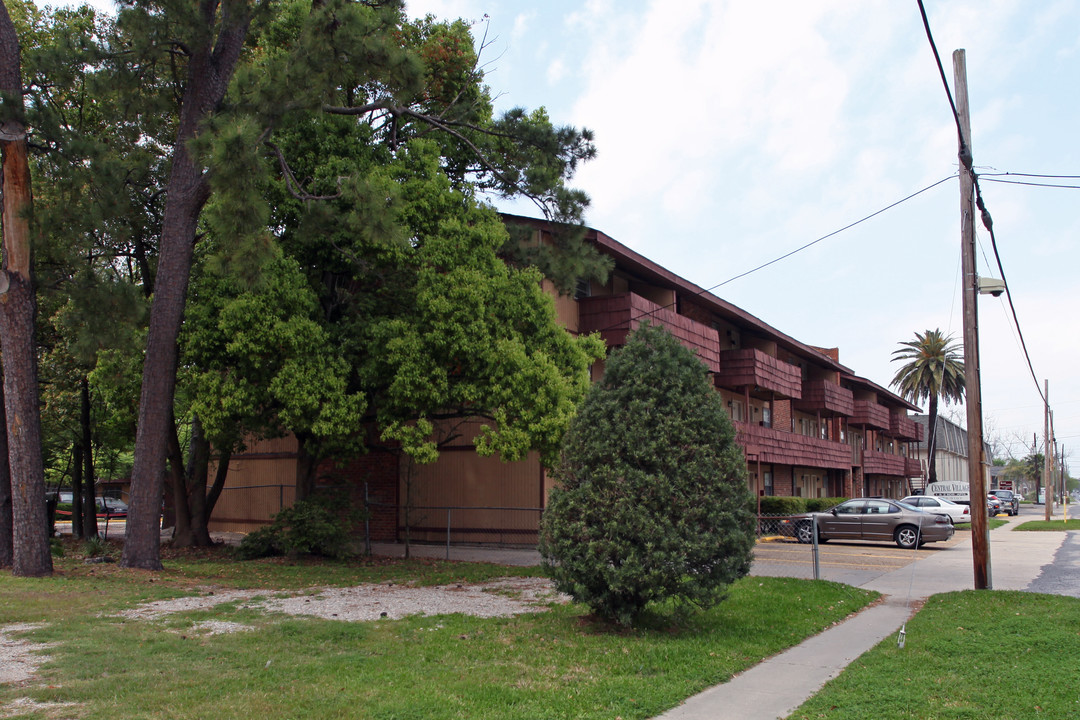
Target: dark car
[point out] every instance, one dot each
(994, 506)
(874, 519)
(1009, 500)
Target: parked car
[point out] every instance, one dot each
(956, 512)
(108, 507)
(874, 519)
(994, 506)
(1009, 500)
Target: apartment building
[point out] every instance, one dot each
(808, 425)
(950, 452)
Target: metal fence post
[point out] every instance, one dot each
(448, 511)
(817, 561)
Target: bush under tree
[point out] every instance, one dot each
(652, 502)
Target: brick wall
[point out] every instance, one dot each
(380, 471)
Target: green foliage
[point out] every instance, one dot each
(780, 505)
(319, 525)
(652, 502)
(823, 504)
(934, 368)
(95, 546)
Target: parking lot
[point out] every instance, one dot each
(853, 562)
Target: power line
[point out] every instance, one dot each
(796, 250)
(1029, 184)
(988, 222)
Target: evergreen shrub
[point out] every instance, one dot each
(651, 502)
(314, 526)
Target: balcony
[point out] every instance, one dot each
(768, 445)
(912, 467)
(756, 369)
(879, 463)
(616, 316)
(869, 414)
(826, 398)
(903, 427)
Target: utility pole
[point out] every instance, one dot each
(1048, 498)
(980, 536)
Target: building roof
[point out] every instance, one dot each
(645, 268)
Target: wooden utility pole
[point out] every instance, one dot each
(980, 537)
(1047, 460)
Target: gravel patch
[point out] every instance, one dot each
(161, 608)
(19, 659)
(499, 598)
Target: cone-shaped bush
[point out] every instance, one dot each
(652, 502)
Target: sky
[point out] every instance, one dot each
(730, 133)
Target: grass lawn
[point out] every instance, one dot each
(970, 655)
(556, 664)
(1058, 525)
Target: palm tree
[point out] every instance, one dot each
(934, 368)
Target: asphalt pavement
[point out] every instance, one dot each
(1034, 561)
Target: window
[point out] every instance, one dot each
(736, 408)
(766, 416)
(583, 289)
(768, 481)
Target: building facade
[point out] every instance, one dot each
(808, 425)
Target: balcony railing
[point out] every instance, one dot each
(753, 368)
(879, 463)
(829, 399)
(912, 466)
(616, 316)
(869, 414)
(904, 428)
(768, 445)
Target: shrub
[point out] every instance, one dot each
(652, 502)
(823, 504)
(773, 505)
(315, 526)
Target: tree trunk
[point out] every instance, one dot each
(931, 444)
(76, 491)
(6, 550)
(18, 307)
(178, 483)
(306, 465)
(195, 532)
(90, 526)
(210, 67)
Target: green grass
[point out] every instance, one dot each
(557, 664)
(971, 655)
(1058, 525)
(991, 523)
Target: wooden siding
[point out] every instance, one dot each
(868, 413)
(751, 367)
(463, 479)
(261, 481)
(879, 463)
(903, 427)
(616, 316)
(827, 398)
(767, 445)
(912, 467)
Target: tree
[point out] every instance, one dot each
(652, 501)
(933, 369)
(335, 57)
(18, 309)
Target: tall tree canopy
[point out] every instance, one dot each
(314, 170)
(933, 368)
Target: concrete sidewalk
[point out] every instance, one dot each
(1016, 560)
